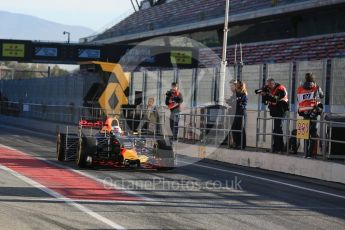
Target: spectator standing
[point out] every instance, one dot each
(310, 107)
(149, 118)
(278, 104)
(173, 100)
(238, 103)
(241, 116)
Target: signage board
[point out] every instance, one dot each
(303, 129)
(13, 50)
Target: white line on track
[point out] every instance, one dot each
(59, 197)
(269, 180)
(209, 167)
(174, 203)
(104, 182)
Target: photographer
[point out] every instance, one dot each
(309, 107)
(275, 95)
(174, 100)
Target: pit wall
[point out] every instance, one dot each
(322, 170)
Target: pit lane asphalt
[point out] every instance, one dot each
(204, 195)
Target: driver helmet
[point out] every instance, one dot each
(117, 130)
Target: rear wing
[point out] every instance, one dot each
(91, 124)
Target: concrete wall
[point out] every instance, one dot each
(152, 88)
(251, 75)
(205, 86)
(49, 91)
(186, 86)
(323, 170)
(137, 85)
(66, 90)
(167, 78)
(338, 86)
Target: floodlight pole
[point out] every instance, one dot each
(68, 36)
(224, 62)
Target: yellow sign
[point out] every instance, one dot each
(13, 50)
(113, 98)
(181, 57)
(303, 129)
(202, 151)
(114, 95)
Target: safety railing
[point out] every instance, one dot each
(10, 108)
(141, 120)
(209, 129)
(144, 121)
(58, 113)
(324, 139)
(193, 126)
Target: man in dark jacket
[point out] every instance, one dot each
(278, 104)
(174, 100)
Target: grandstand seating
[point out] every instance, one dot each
(312, 48)
(183, 12)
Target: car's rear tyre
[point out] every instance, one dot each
(86, 148)
(81, 156)
(60, 147)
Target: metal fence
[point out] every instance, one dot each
(324, 139)
(208, 129)
(141, 120)
(56, 113)
(199, 88)
(195, 126)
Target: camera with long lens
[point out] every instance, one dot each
(264, 90)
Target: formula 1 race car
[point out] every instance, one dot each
(98, 143)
